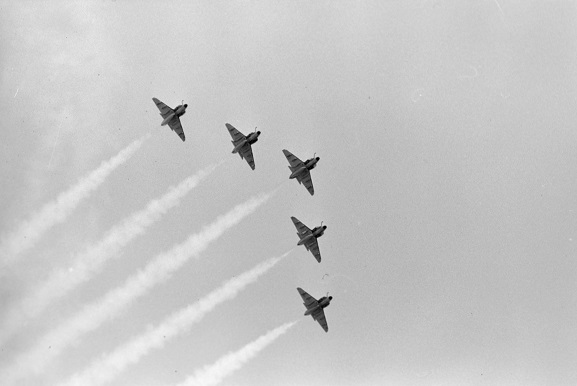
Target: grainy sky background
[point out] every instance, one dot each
(446, 132)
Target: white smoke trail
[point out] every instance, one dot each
(88, 263)
(29, 232)
(215, 373)
(118, 299)
(103, 370)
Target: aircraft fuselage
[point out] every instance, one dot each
(178, 111)
(250, 139)
(315, 233)
(303, 240)
(312, 162)
(324, 302)
(308, 165)
(319, 231)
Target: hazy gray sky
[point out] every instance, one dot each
(447, 180)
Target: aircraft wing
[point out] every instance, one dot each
(165, 111)
(308, 300)
(293, 160)
(236, 135)
(305, 178)
(245, 151)
(313, 245)
(176, 126)
(302, 229)
(319, 316)
(174, 123)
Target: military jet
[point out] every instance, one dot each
(242, 143)
(308, 237)
(301, 170)
(172, 116)
(315, 307)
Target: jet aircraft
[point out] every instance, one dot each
(242, 143)
(308, 237)
(315, 307)
(301, 170)
(171, 117)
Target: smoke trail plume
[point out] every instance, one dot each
(29, 232)
(158, 270)
(215, 373)
(88, 263)
(103, 370)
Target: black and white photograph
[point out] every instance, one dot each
(288, 193)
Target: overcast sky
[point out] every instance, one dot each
(446, 133)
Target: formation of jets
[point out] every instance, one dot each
(242, 145)
(308, 237)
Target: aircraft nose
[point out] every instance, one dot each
(330, 298)
(185, 106)
(258, 132)
(324, 227)
(318, 158)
